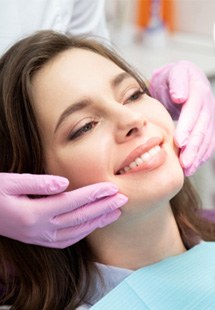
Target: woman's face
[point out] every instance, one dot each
(97, 125)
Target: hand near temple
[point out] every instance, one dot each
(187, 94)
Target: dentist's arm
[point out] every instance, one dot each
(61, 218)
(184, 89)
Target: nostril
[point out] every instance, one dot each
(132, 131)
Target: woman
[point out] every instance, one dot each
(173, 84)
(72, 107)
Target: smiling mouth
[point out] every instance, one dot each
(144, 158)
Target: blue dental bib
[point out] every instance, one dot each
(182, 282)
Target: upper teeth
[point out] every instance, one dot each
(141, 159)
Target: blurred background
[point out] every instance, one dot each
(151, 33)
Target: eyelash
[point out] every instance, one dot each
(81, 131)
(137, 94)
(85, 128)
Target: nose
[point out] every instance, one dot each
(129, 124)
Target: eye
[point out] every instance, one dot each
(136, 95)
(82, 130)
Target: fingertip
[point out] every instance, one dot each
(179, 83)
(121, 199)
(190, 171)
(186, 159)
(190, 165)
(110, 218)
(185, 163)
(117, 201)
(61, 180)
(104, 189)
(110, 186)
(181, 138)
(56, 184)
(187, 172)
(178, 98)
(178, 94)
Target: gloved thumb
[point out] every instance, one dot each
(28, 184)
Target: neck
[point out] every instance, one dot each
(138, 240)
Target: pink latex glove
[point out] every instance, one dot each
(185, 90)
(60, 219)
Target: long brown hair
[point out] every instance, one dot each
(35, 277)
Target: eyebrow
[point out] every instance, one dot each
(77, 106)
(80, 105)
(119, 78)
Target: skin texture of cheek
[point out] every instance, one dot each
(81, 167)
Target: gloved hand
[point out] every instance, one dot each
(185, 90)
(60, 219)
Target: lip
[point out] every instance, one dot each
(150, 143)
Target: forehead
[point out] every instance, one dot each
(75, 71)
(77, 62)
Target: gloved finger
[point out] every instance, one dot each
(211, 144)
(178, 83)
(159, 80)
(205, 151)
(68, 201)
(164, 95)
(90, 211)
(196, 143)
(81, 231)
(160, 87)
(166, 100)
(69, 236)
(187, 120)
(28, 184)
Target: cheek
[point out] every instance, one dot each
(81, 166)
(160, 116)
(166, 122)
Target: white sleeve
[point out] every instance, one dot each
(88, 17)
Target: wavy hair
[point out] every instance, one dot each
(35, 277)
